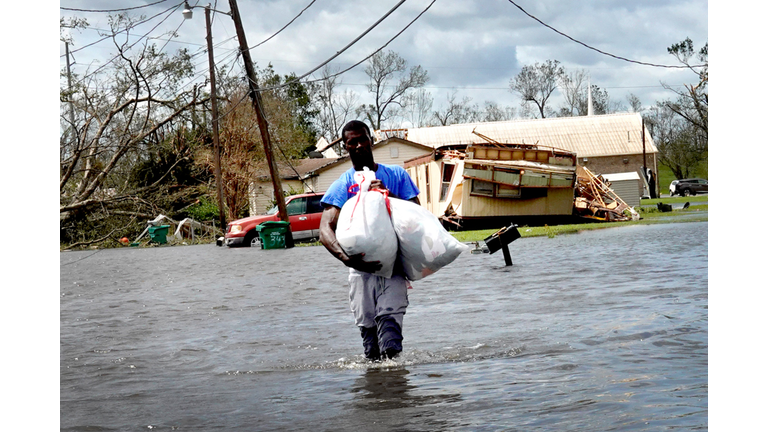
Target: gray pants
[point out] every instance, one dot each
(372, 297)
(378, 305)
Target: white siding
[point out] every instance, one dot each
(262, 194)
(381, 154)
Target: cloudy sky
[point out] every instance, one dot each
(471, 47)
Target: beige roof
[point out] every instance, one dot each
(297, 168)
(588, 136)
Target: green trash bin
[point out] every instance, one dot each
(159, 234)
(272, 234)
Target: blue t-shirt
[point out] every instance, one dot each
(394, 178)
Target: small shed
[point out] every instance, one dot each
(627, 185)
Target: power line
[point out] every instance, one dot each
(602, 52)
(133, 44)
(127, 28)
(287, 83)
(345, 70)
(289, 23)
(113, 10)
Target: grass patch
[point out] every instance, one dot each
(675, 200)
(695, 213)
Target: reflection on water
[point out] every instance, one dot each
(386, 397)
(389, 388)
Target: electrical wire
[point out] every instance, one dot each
(112, 10)
(126, 29)
(373, 53)
(130, 46)
(289, 23)
(602, 52)
(343, 71)
(299, 78)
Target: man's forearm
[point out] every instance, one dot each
(333, 246)
(328, 234)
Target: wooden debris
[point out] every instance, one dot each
(595, 199)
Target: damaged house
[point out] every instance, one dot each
(526, 170)
(493, 183)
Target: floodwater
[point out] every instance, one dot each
(597, 331)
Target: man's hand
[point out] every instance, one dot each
(357, 263)
(377, 184)
(328, 223)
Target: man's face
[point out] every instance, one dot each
(358, 144)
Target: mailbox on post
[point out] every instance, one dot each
(500, 239)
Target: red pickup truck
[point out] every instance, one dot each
(304, 212)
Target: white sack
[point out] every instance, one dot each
(425, 246)
(364, 226)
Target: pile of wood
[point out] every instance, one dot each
(596, 200)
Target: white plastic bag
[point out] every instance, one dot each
(425, 246)
(364, 226)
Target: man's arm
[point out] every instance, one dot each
(328, 222)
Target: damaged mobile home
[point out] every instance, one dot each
(464, 186)
(496, 182)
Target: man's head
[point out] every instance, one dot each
(357, 139)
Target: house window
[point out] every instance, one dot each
(483, 188)
(507, 191)
(426, 171)
(448, 170)
(393, 151)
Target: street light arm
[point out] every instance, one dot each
(187, 12)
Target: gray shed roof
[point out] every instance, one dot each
(588, 136)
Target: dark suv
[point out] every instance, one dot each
(687, 187)
(304, 212)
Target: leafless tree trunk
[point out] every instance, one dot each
(536, 83)
(417, 107)
(335, 109)
(390, 79)
(574, 87)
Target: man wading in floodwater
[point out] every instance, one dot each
(378, 303)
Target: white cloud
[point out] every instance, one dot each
(475, 45)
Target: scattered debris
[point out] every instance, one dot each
(664, 207)
(596, 200)
(181, 230)
(479, 249)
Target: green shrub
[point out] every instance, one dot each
(205, 210)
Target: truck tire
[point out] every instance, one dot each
(249, 238)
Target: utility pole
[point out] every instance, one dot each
(263, 126)
(215, 114)
(71, 106)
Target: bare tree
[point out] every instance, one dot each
(118, 112)
(390, 80)
(417, 107)
(536, 83)
(635, 105)
(573, 85)
(335, 108)
(495, 112)
(692, 104)
(456, 112)
(682, 145)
